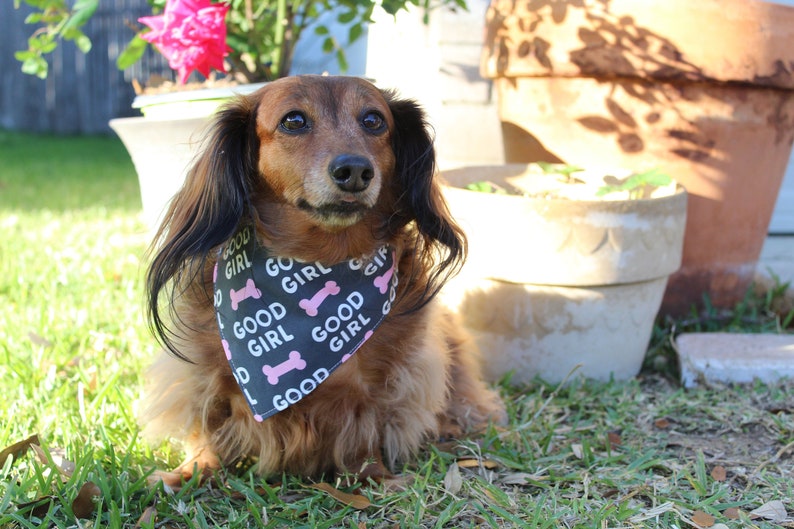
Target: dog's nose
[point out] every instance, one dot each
(351, 173)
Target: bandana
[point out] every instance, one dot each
(286, 325)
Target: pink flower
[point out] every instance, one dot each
(191, 34)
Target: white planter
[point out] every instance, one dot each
(552, 284)
(161, 150)
(163, 142)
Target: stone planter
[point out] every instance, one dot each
(552, 283)
(701, 89)
(163, 142)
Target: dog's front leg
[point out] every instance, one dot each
(199, 459)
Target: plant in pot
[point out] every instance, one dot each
(250, 41)
(566, 267)
(702, 88)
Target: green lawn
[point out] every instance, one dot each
(75, 347)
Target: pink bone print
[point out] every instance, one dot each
(226, 349)
(311, 305)
(382, 282)
(275, 372)
(248, 291)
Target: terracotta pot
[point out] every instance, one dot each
(555, 283)
(701, 89)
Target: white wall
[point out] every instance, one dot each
(438, 65)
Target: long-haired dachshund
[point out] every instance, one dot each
(294, 283)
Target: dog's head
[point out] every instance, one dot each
(307, 157)
(325, 147)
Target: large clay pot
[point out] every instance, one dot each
(554, 283)
(701, 89)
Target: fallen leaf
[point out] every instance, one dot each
(731, 513)
(652, 513)
(56, 456)
(38, 507)
(703, 519)
(39, 340)
(353, 500)
(148, 516)
(661, 423)
(41, 455)
(519, 478)
(241, 496)
(772, 510)
(473, 463)
(453, 481)
(719, 473)
(576, 448)
(18, 448)
(614, 439)
(83, 505)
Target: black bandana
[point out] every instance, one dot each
(286, 325)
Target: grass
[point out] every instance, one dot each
(75, 347)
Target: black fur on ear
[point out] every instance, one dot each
(441, 243)
(206, 211)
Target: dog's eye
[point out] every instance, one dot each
(373, 122)
(294, 121)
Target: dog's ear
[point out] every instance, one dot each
(420, 198)
(209, 206)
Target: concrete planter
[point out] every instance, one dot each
(163, 142)
(555, 283)
(702, 89)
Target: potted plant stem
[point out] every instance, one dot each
(563, 276)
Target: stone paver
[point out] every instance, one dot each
(728, 357)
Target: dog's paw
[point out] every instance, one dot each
(397, 483)
(173, 480)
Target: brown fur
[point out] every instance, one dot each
(415, 379)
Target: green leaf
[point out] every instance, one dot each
(132, 53)
(356, 30)
(342, 60)
(82, 11)
(346, 18)
(637, 183)
(328, 45)
(321, 30)
(484, 186)
(83, 43)
(42, 44)
(392, 6)
(35, 66)
(23, 55)
(83, 5)
(559, 168)
(655, 177)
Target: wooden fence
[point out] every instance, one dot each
(82, 92)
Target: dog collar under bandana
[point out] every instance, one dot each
(286, 325)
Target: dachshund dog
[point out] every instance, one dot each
(307, 177)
